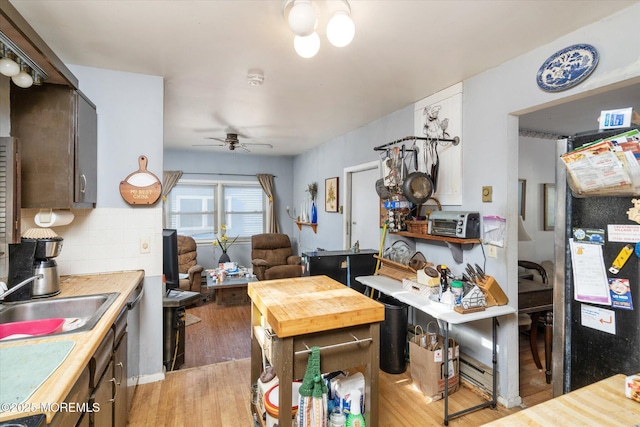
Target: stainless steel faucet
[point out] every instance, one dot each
(20, 285)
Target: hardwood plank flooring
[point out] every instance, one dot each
(224, 334)
(212, 388)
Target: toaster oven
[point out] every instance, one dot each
(463, 225)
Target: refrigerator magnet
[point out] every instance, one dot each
(621, 259)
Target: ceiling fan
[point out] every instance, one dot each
(233, 142)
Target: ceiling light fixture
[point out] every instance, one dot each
(8, 66)
(302, 20)
(341, 29)
(23, 79)
(15, 63)
(308, 46)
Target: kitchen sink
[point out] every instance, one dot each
(81, 313)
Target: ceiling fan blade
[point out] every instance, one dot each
(208, 145)
(216, 139)
(258, 143)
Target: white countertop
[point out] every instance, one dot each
(393, 288)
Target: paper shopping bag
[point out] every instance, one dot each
(426, 352)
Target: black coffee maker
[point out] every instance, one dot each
(31, 257)
(21, 267)
(45, 264)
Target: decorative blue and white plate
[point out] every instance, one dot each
(567, 67)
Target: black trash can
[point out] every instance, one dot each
(393, 335)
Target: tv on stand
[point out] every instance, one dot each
(170, 258)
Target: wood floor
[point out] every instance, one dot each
(212, 388)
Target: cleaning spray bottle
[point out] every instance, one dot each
(355, 418)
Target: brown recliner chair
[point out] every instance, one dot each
(272, 257)
(188, 263)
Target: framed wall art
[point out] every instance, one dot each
(331, 194)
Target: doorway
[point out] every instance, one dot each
(362, 206)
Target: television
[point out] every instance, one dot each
(170, 258)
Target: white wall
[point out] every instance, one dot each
(536, 164)
(330, 160)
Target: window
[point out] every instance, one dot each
(199, 208)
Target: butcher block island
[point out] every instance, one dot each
(64, 381)
(289, 316)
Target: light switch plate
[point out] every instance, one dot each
(487, 193)
(145, 245)
(492, 251)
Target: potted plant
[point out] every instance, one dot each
(223, 241)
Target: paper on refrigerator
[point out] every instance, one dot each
(589, 273)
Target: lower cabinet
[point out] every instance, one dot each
(102, 397)
(101, 389)
(79, 394)
(102, 383)
(121, 403)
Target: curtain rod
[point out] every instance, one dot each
(218, 173)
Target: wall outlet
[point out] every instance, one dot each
(145, 245)
(492, 251)
(487, 193)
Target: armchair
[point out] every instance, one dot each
(188, 263)
(272, 257)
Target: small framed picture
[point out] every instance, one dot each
(331, 194)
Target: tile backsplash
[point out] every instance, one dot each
(107, 239)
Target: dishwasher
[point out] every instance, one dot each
(133, 340)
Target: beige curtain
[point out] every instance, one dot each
(266, 181)
(169, 180)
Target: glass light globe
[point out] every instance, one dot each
(9, 67)
(22, 79)
(302, 18)
(340, 30)
(307, 47)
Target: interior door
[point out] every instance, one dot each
(365, 209)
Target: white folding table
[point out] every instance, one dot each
(393, 288)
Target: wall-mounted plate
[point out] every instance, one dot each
(567, 67)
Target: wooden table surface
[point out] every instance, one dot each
(600, 404)
(310, 304)
(317, 311)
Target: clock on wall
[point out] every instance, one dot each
(567, 67)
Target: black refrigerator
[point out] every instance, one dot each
(595, 350)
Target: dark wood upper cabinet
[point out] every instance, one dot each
(56, 128)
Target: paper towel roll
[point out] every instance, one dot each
(53, 218)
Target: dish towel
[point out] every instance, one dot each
(26, 367)
(312, 410)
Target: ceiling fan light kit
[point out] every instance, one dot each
(302, 20)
